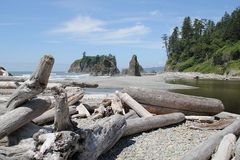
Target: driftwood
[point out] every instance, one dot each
(20, 116)
(226, 148)
(131, 114)
(117, 106)
(139, 109)
(48, 116)
(138, 125)
(82, 110)
(81, 144)
(62, 119)
(63, 82)
(35, 85)
(75, 98)
(237, 150)
(206, 149)
(216, 125)
(203, 119)
(9, 85)
(227, 115)
(168, 102)
(99, 112)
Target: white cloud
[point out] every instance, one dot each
(154, 13)
(95, 31)
(81, 25)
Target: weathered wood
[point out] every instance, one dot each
(227, 115)
(54, 85)
(82, 110)
(203, 119)
(20, 116)
(99, 112)
(168, 102)
(62, 119)
(131, 114)
(139, 109)
(237, 150)
(138, 125)
(9, 85)
(117, 106)
(216, 125)
(48, 116)
(35, 85)
(206, 149)
(82, 144)
(226, 148)
(69, 82)
(75, 98)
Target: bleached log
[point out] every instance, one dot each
(206, 149)
(226, 148)
(84, 144)
(82, 110)
(139, 109)
(54, 85)
(48, 116)
(62, 119)
(131, 114)
(237, 150)
(227, 115)
(99, 112)
(138, 125)
(203, 119)
(35, 85)
(9, 85)
(168, 102)
(117, 106)
(22, 115)
(216, 125)
(64, 82)
(75, 98)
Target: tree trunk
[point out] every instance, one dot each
(226, 148)
(131, 114)
(138, 125)
(62, 119)
(207, 148)
(35, 85)
(167, 102)
(139, 109)
(20, 116)
(117, 106)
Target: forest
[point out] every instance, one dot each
(202, 45)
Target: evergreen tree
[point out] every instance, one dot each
(187, 30)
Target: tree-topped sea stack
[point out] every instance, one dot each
(95, 65)
(134, 67)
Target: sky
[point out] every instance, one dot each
(66, 28)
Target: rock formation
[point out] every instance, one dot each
(134, 67)
(95, 65)
(3, 72)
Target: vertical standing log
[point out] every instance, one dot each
(141, 111)
(35, 85)
(62, 119)
(117, 106)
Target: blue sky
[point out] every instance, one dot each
(67, 28)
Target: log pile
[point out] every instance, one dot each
(40, 119)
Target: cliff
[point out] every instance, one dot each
(95, 65)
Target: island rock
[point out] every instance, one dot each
(95, 65)
(134, 68)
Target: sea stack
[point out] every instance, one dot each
(3, 72)
(134, 67)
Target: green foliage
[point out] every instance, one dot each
(204, 46)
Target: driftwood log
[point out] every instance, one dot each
(48, 116)
(131, 114)
(9, 85)
(160, 102)
(82, 144)
(226, 148)
(207, 148)
(82, 110)
(20, 116)
(227, 115)
(75, 98)
(138, 125)
(237, 150)
(35, 85)
(139, 109)
(203, 119)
